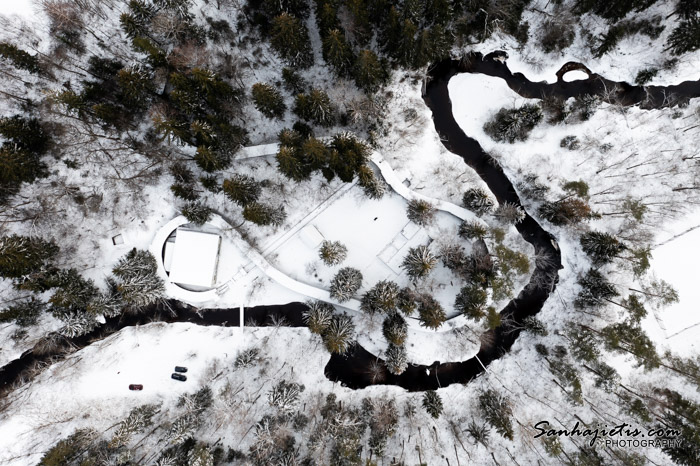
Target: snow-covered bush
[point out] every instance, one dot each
(332, 252)
(339, 333)
(318, 316)
(285, 396)
(396, 359)
(478, 201)
(419, 262)
(420, 211)
(345, 284)
(382, 297)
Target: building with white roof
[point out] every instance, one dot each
(193, 258)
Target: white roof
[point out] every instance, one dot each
(195, 258)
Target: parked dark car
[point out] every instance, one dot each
(179, 377)
(136, 387)
(180, 369)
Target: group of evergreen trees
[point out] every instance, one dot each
(345, 156)
(25, 142)
(77, 301)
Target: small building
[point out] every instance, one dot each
(193, 259)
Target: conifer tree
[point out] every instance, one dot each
(419, 262)
(471, 301)
(290, 164)
(395, 328)
(136, 87)
(432, 402)
(372, 187)
(382, 297)
(264, 214)
(137, 278)
(338, 53)
(23, 255)
(318, 316)
(472, 230)
(566, 211)
(25, 313)
(19, 58)
(348, 155)
(332, 252)
(497, 411)
(628, 337)
(339, 333)
(242, 189)
(510, 125)
(420, 211)
(601, 247)
(290, 38)
(431, 313)
(406, 301)
(315, 153)
(315, 106)
(595, 290)
(196, 213)
(369, 71)
(396, 359)
(268, 100)
(478, 201)
(509, 213)
(345, 284)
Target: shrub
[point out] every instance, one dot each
(420, 211)
(570, 142)
(646, 75)
(332, 252)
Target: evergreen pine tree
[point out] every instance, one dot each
(332, 252)
(372, 187)
(478, 201)
(318, 316)
(264, 214)
(339, 333)
(290, 164)
(431, 313)
(345, 284)
(472, 230)
(348, 155)
(406, 302)
(369, 71)
(395, 329)
(510, 125)
(509, 213)
(595, 290)
(137, 278)
(25, 313)
(396, 359)
(566, 211)
(601, 247)
(23, 255)
(242, 189)
(315, 106)
(200, 455)
(268, 100)
(19, 58)
(420, 211)
(419, 262)
(315, 153)
(628, 337)
(686, 37)
(196, 213)
(338, 53)
(471, 301)
(136, 86)
(432, 402)
(497, 411)
(290, 38)
(382, 297)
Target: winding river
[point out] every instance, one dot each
(353, 368)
